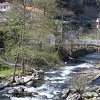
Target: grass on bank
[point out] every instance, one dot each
(88, 37)
(9, 72)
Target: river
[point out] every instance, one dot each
(55, 79)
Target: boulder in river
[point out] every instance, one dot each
(98, 98)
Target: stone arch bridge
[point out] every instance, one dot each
(78, 44)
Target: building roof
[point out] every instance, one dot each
(5, 4)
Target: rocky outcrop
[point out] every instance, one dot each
(63, 53)
(88, 93)
(20, 91)
(29, 79)
(82, 52)
(65, 93)
(67, 55)
(84, 91)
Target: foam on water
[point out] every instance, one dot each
(49, 95)
(68, 69)
(53, 72)
(31, 89)
(26, 98)
(57, 81)
(85, 65)
(55, 78)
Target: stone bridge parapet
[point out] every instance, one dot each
(77, 45)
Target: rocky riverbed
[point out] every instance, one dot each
(84, 86)
(30, 79)
(29, 86)
(69, 82)
(88, 93)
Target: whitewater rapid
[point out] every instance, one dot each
(54, 81)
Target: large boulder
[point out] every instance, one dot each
(65, 93)
(98, 98)
(98, 90)
(90, 95)
(28, 78)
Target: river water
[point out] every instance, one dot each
(54, 80)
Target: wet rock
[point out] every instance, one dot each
(2, 78)
(43, 97)
(28, 78)
(11, 91)
(59, 95)
(90, 95)
(87, 95)
(29, 73)
(94, 98)
(94, 94)
(27, 94)
(5, 85)
(76, 90)
(35, 94)
(30, 83)
(33, 70)
(20, 92)
(40, 74)
(91, 88)
(20, 89)
(75, 96)
(98, 98)
(98, 90)
(16, 92)
(19, 80)
(31, 89)
(65, 93)
(36, 76)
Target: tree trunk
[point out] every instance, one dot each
(14, 74)
(23, 65)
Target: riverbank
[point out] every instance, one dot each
(31, 78)
(73, 78)
(81, 87)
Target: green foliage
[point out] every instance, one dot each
(39, 62)
(9, 72)
(51, 49)
(3, 66)
(27, 35)
(1, 39)
(43, 59)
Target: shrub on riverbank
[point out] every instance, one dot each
(3, 66)
(44, 59)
